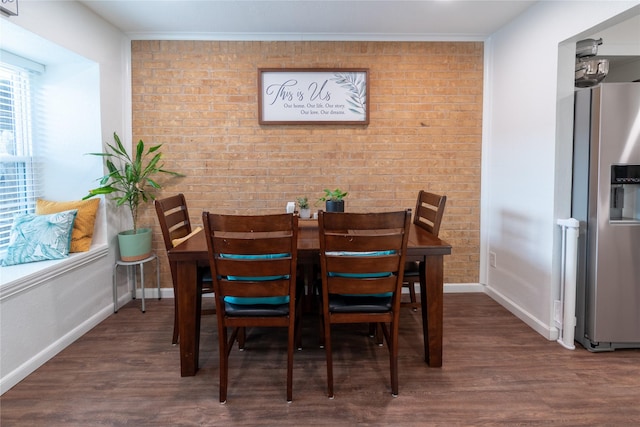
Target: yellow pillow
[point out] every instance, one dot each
(82, 233)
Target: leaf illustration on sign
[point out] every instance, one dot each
(356, 84)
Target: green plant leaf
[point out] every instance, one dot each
(130, 179)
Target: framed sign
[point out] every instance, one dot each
(9, 7)
(313, 96)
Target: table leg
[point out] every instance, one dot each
(188, 317)
(431, 297)
(306, 271)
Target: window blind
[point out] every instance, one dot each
(19, 171)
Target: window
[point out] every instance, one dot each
(19, 171)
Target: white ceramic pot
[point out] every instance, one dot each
(305, 213)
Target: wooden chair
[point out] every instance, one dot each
(253, 260)
(428, 215)
(173, 217)
(362, 257)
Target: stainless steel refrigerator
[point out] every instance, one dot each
(606, 201)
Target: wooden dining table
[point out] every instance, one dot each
(423, 246)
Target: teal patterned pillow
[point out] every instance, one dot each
(40, 237)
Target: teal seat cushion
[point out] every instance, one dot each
(363, 275)
(40, 237)
(261, 300)
(257, 301)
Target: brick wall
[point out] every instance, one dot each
(199, 99)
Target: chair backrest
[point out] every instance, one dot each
(173, 217)
(363, 253)
(252, 256)
(429, 211)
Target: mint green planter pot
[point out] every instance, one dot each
(135, 247)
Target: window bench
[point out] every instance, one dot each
(47, 305)
(19, 278)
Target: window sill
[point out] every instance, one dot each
(19, 278)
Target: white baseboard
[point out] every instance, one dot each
(459, 288)
(21, 372)
(549, 332)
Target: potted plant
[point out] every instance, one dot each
(333, 200)
(303, 205)
(131, 179)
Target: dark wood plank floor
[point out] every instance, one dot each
(496, 371)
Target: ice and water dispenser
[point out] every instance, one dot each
(625, 193)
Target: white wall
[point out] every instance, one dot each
(88, 59)
(527, 150)
(618, 43)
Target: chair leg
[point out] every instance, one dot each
(321, 323)
(317, 295)
(379, 334)
(298, 334)
(321, 335)
(327, 347)
(224, 363)
(291, 343)
(242, 336)
(412, 296)
(372, 330)
(375, 331)
(393, 359)
(297, 328)
(174, 341)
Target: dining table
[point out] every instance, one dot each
(422, 246)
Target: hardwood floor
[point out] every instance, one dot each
(496, 371)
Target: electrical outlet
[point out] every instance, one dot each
(492, 259)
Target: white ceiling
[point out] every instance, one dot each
(309, 19)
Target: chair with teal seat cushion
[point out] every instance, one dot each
(253, 262)
(362, 259)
